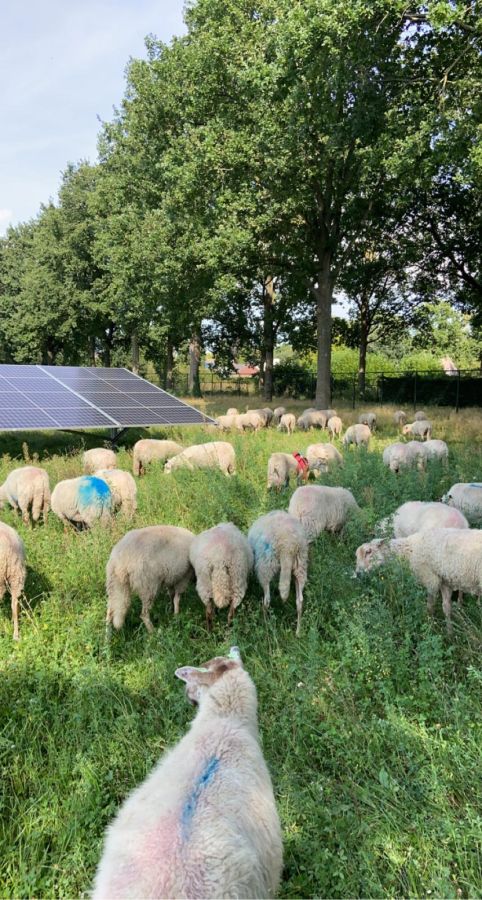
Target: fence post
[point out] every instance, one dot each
(415, 389)
(354, 391)
(457, 392)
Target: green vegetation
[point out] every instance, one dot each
(370, 721)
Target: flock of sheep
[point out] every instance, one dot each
(205, 823)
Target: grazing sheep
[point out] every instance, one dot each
(437, 450)
(329, 413)
(262, 414)
(443, 560)
(400, 418)
(334, 426)
(98, 458)
(250, 421)
(232, 411)
(149, 450)
(216, 455)
(13, 570)
(142, 562)
(368, 418)
(279, 545)
(420, 416)
(27, 489)
(278, 412)
(420, 428)
(466, 497)
(123, 488)
(311, 419)
(226, 423)
(268, 413)
(282, 465)
(287, 423)
(398, 455)
(358, 435)
(222, 560)
(82, 501)
(204, 823)
(321, 456)
(417, 515)
(321, 508)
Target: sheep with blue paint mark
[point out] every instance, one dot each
(204, 823)
(98, 458)
(279, 545)
(124, 490)
(222, 560)
(27, 490)
(82, 501)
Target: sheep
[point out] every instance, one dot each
(226, 423)
(368, 418)
(334, 426)
(279, 544)
(123, 488)
(357, 434)
(287, 423)
(399, 455)
(13, 570)
(268, 413)
(222, 560)
(329, 413)
(142, 562)
(217, 454)
(322, 508)
(149, 450)
(82, 501)
(232, 411)
(278, 412)
(420, 428)
(282, 465)
(420, 416)
(27, 490)
(321, 456)
(443, 560)
(98, 458)
(262, 414)
(417, 515)
(400, 418)
(437, 450)
(249, 421)
(466, 497)
(204, 823)
(311, 419)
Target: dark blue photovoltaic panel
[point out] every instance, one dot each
(25, 419)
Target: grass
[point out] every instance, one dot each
(370, 721)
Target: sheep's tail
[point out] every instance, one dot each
(286, 563)
(222, 587)
(41, 502)
(119, 597)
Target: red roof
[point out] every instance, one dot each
(247, 371)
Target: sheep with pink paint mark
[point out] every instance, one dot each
(418, 515)
(204, 823)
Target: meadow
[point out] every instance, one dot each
(370, 721)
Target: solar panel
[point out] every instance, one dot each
(49, 397)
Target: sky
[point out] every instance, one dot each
(62, 65)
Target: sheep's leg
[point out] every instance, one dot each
(177, 598)
(460, 597)
(209, 615)
(299, 605)
(232, 608)
(16, 635)
(431, 598)
(26, 517)
(447, 605)
(145, 614)
(267, 597)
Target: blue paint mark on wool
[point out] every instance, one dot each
(476, 484)
(94, 492)
(261, 547)
(201, 782)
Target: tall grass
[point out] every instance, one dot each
(370, 721)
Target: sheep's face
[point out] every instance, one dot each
(447, 498)
(370, 555)
(407, 429)
(199, 680)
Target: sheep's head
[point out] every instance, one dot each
(407, 429)
(200, 679)
(370, 555)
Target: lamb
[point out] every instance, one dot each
(358, 435)
(98, 458)
(322, 508)
(148, 450)
(142, 562)
(123, 488)
(287, 423)
(322, 456)
(437, 450)
(420, 416)
(13, 570)
(400, 418)
(82, 501)
(368, 418)
(226, 423)
(249, 421)
(204, 823)
(398, 455)
(420, 428)
(282, 465)
(311, 419)
(27, 490)
(279, 544)
(217, 454)
(466, 497)
(443, 560)
(334, 426)
(417, 515)
(278, 412)
(232, 411)
(222, 560)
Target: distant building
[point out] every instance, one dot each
(245, 371)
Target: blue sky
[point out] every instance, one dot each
(61, 68)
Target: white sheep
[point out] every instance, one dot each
(466, 497)
(98, 458)
(311, 419)
(398, 455)
(250, 421)
(216, 455)
(443, 560)
(227, 422)
(358, 435)
(282, 465)
(334, 427)
(142, 562)
(278, 412)
(329, 413)
(368, 418)
(232, 411)
(222, 560)
(400, 418)
(268, 414)
(82, 501)
(13, 570)
(149, 450)
(321, 508)
(418, 515)
(287, 423)
(420, 428)
(322, 456)
(436, 450)
(123, 488)
(263, 414)
(27, 490)
(279, 544)
(420, 416)
(204, 823)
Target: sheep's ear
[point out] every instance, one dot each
(189, 673)
(235, 654)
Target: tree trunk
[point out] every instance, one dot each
(168, 366)
(268, 337)
(324, 297)
(108, 341)
(362, 353)
(135, 353)
(194, 384)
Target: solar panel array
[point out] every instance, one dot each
(49, 397)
